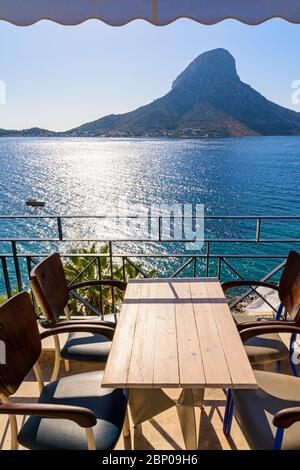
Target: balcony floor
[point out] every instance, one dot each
(160, 433)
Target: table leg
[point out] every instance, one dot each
(145, 403)
(126, 426)
(189, 398)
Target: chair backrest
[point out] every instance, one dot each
(289, 286)
(21, 339)
(49, 286)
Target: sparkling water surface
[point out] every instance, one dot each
(242, 176)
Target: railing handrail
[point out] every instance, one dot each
(104, 216)
(150, 239)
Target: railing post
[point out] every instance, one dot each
(123, 269)
(195, 266)
(28, 262)
(59, 228)
(100, 278)
(6, 277)
(258, 225)
(17, 266)
(207, 260)
(159, 228)
(219, 268)
(112, 275)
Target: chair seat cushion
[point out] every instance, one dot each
(255, 409)
(108, 405)
(86, 347)
(266, 348)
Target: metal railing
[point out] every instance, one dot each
(13, 252)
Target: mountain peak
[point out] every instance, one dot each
(209, 65)
(207, 99)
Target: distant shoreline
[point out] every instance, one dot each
(141, 137)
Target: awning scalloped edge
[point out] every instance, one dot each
(161, 24)
(157, 12)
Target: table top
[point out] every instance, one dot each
(177, 333)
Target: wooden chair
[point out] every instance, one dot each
(289, 295)
(73, 413)
(50, 288)
(270, 416)
(270, 347)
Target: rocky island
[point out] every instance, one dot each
(207, 100)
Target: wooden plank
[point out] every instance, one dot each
(191, 371)
(241, 372)
(141, 367)
(214, 361)
(116, 370)
(166, 373)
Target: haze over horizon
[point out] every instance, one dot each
(61, 77)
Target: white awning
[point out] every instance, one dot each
(159, 12)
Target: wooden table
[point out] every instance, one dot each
(175, 333)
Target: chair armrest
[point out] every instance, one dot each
(287, 417)
(109, 324)
(259, 324)
(104, 282)
(232, 284)
(84, 417)
(86, 328)
(283, 327)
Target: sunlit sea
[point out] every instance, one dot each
(242, 176)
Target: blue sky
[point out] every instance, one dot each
(59, 77)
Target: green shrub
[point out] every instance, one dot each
(76, 264)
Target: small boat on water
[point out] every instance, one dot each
(35, 203)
